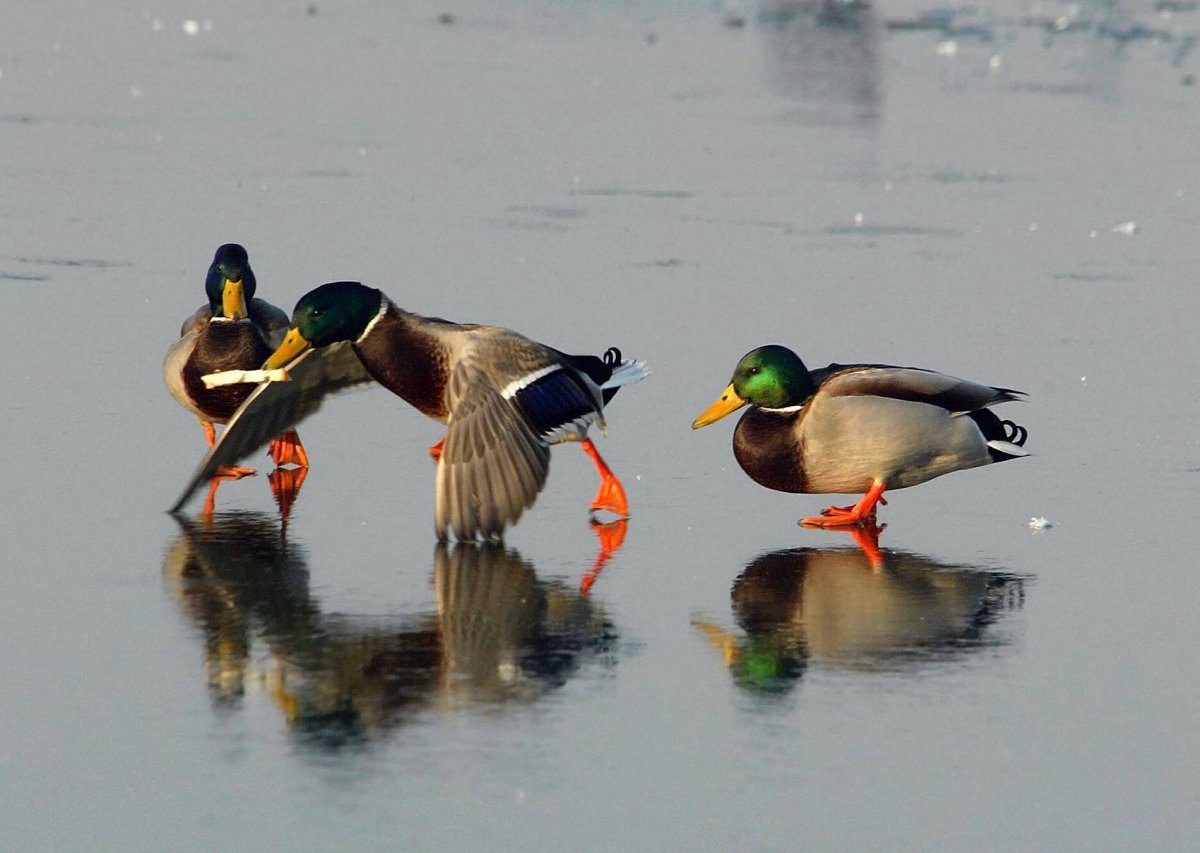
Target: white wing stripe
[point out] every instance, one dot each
(528, 379)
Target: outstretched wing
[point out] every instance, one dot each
(493, 464)
(910, 383)
(274, 407)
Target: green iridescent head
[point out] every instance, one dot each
(230, 283)
(338, 311)
(771, 377)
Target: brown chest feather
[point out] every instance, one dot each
(408, 363)
(766, 447)
(223, 346)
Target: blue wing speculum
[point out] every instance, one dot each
(556, 403)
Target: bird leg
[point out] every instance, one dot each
(225, 472)
(286, 449)
(844, 516)
(611, 495)
(435, 451)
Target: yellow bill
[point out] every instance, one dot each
(728, 402)
(233, 301)
(293, 345)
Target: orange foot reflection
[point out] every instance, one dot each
(866, 536)
(612, 537)
(285, 486)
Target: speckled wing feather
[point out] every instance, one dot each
(493, 465)
(196, 321)
(910, 383)
(273, 321)
(274, 407)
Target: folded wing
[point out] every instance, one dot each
(910, 383)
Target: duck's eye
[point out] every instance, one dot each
(754, 371)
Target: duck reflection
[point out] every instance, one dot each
(853, 610)
(498, 635)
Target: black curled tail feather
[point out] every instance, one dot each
(596, 369)
(599, 369)
(994, 429)
(1015, 433)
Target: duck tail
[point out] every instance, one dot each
(1005, 439)
(609, 372)
(624, 372)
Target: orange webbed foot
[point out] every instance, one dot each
(435, 451)
(611, 498)
(611, 495)
(286, 449)
(861, 513)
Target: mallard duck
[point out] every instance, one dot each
(504, 398)
(234, 331)
(858, 428)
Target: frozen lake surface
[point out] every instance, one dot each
(1007, 193)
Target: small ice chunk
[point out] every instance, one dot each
(858, 218)
(1040, 523)
(1127, 228)
(947, 48)
(995, 62)
(191, 27)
